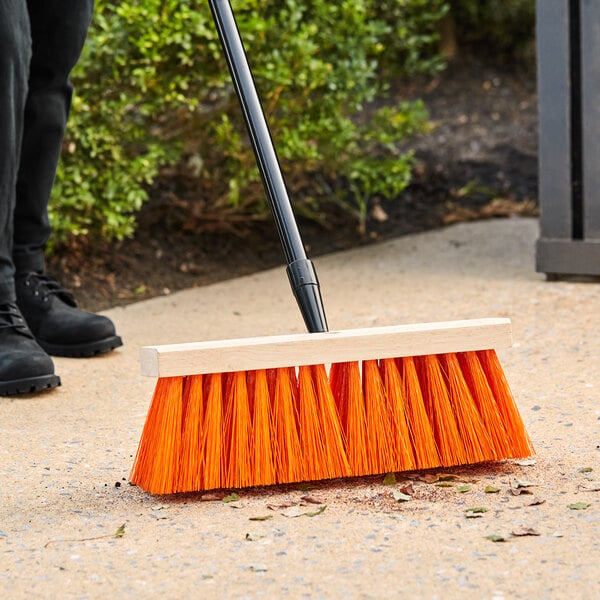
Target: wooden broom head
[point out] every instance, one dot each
(273, 352)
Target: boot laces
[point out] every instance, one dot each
(45, 286)
(12, 319)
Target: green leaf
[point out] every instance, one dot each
(120, 532)
(231, 498)
(464, 488)
(491, 489)
(261, 518)
(389, 479)
(316, 512)
(474, 512)
(579, 505)
(444, 484)
(494, 537)
(586, 470)
(447, 477)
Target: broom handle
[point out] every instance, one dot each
(300, 270)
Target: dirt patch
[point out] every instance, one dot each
(480, 161)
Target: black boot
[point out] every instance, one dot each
(59, 327)
(24, 366)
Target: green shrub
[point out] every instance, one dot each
(153, 91)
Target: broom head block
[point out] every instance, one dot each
(269, 352)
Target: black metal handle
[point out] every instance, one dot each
(300, 270)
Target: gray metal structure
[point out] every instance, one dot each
(568, 59)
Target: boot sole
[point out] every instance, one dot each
(86, 350)
(29, 385)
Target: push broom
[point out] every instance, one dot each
(266, 410)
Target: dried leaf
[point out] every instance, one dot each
(261, 518)
(494, 537)
(522, 530)
(258, 568)
(389, 479)
(407, 489)
(400, 497)
(379, 214)
(522, 484)
(283, 505)
(160, 506)
(491, 489)
(231, 498)
(444, 484)
(528, 462)
(586, 470)
(579, 505)
(120, 532)
(211, 497)
(463, 488)
(535, 501)
(312, 500)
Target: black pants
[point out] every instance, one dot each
(40, 43)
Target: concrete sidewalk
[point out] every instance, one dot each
(65, 455)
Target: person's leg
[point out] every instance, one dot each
(15, 54)
(24, 366)
(58, 30)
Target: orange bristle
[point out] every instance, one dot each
(381, 453)
(423, 440)
(156, 465)
(336, 461)
(271, 381)
(288, 454)
(212, 436)
(477, 444)
(439, 410)
(311, 432)
(485, 402)
(397, 407)
(251, 387)
(262, 429)
(190, 460)
(513, 423)
(337, 372)
(238, 429)
(351, 396)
